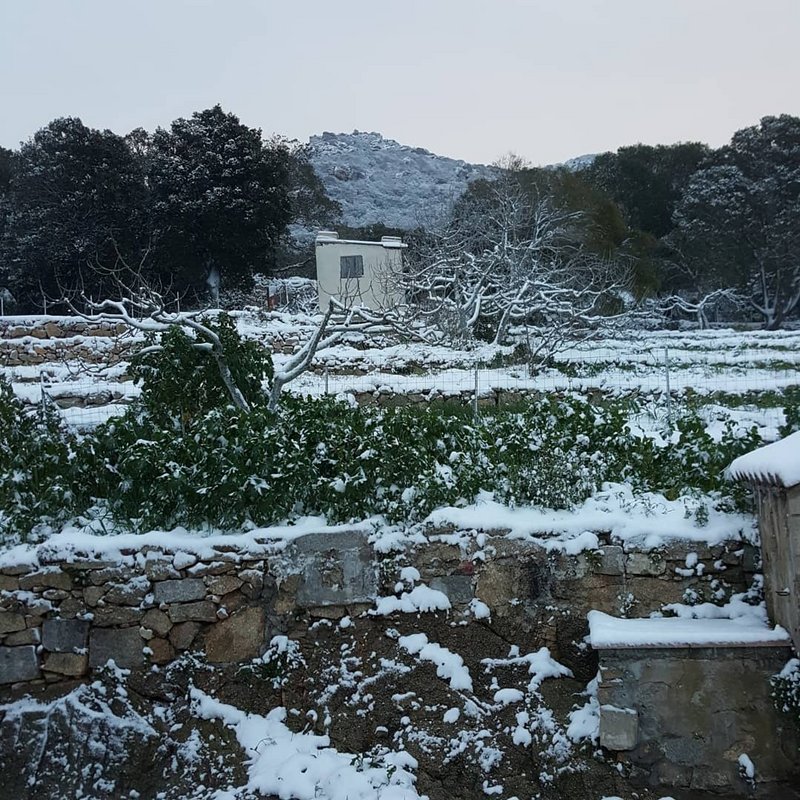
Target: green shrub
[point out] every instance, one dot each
(184, 455)
(39, 471)
(791, 412)
(181, 380)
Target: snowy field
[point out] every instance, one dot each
(748, 370)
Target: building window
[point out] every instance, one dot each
(351, 266)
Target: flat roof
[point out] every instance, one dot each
(389, 245)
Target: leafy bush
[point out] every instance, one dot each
(183, 455)
(786, 690)
(791, 412)
(181, 380)
(39, 470)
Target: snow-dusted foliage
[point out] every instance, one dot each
(738, 218)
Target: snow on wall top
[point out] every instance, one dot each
(380, 180)
(611, 633)
(777, 463)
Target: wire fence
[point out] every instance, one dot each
(756, 375)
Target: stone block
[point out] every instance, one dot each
(50, 579)
(157, 621)
(92, 595)
(184, 590)
(55, 595)
(610, 560)
(223, 584)
(108, 616)
(9, 583)
(17, 569)
(338, 569)
(253, 582)
(123, 646)
(72, 664)
(619, 728)
(458, 588)
(238, 638)
(161, 651)
(160, 569)
(28, 636)
(18, 664)
(202, 611)
(71, 607)
(116, 574)
(64, 635)
(212, 568)
(11, 621)
(182, 635)
(128, 594)
(645, 564)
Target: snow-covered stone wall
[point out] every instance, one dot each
(64, 613)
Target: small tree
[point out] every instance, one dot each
(507, 257)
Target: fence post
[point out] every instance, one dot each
(2, 305)
(669, 393)
(326, 380)
(42, 399)
(475, 396)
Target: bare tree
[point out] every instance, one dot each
(509, 259)
(701, 305)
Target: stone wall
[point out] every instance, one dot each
(61, 617)
(61, 339)
(60, 620)
(685, 715)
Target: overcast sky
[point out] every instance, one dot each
(471, 79)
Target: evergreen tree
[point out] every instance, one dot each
(647, 182)
(220, 200)
(74, 194)
(739, 219)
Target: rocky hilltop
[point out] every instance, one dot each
(380, 180)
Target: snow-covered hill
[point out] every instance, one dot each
(379, 180)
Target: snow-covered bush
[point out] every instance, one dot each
(184, 454)
(228, 467)
(39, 471)
(180, 380)
(786, 690)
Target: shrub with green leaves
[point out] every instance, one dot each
(791, 412)
(180, 377)
(184, 455)
(786, 690)
(39, 469)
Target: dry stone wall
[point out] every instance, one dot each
(63, 616)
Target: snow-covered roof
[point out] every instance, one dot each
(331, 237)
(777, 463)
(612, 633)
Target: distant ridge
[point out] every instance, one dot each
(375, 179)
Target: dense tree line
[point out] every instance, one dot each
(694, 226)
(209, 202)
(203, 203)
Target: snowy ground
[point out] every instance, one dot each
(747, 370)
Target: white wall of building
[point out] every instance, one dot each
(382, 263)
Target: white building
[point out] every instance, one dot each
(359, 273)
